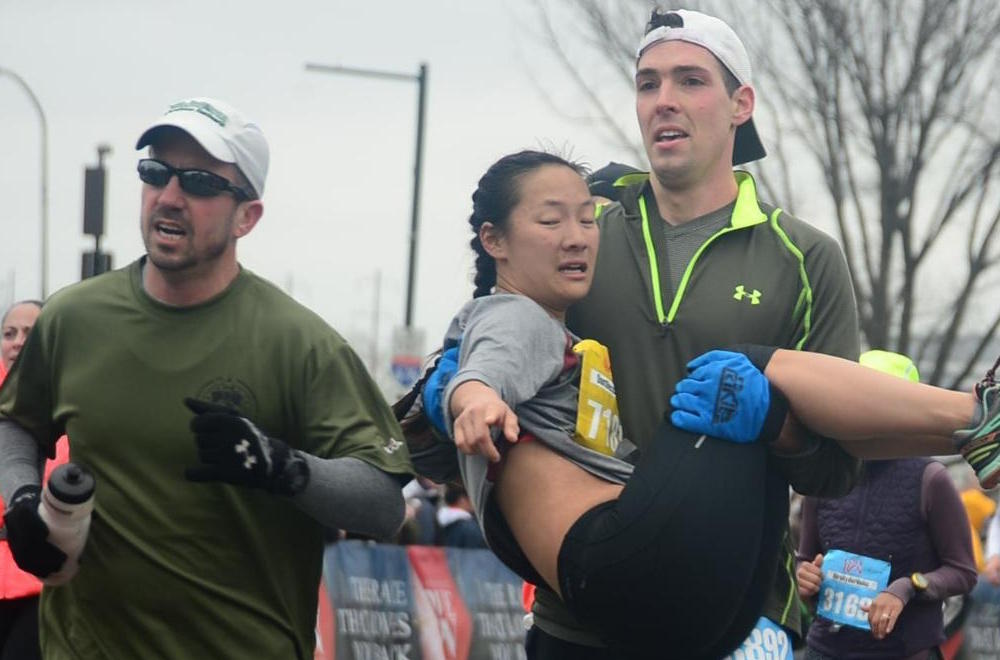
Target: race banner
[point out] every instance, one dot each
(492, 595)
(371, 597)
(444, 625)
(417, 603)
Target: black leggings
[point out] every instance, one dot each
(19, 629)
(680, 564)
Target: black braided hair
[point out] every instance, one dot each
(495, 197)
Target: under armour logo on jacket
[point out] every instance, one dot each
(740, 293)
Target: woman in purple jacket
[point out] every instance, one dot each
(905, 512)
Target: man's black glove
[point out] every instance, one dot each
(27, 534)
(235, 451)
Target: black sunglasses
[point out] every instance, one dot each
(200, 183)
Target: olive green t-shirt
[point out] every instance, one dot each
(174, 569)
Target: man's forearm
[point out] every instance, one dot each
(794, 438)
(348, 493)
(812, 464)
(20, 461)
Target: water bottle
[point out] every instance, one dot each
(65, 506)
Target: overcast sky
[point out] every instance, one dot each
(338, 197)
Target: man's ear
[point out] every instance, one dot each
(247, 216)
(492, 240)
(744, 100)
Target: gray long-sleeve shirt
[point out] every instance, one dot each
(512, 345)
(345, 493)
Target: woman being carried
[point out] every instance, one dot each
(653, 558)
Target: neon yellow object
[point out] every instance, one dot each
(597, 424)
(894, 364)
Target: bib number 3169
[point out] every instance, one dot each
(850, 583)
(851, 606)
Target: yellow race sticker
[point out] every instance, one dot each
(597, 424)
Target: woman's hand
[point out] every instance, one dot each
(883, 614)
(477, 409)
(809, 576)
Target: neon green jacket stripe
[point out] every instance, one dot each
(746, 213)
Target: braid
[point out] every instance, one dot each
(486, 269)
(495, 197)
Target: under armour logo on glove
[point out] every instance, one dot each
(726, 396)
(244, 448)
(233, 450)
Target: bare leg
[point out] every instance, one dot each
(871, 414)
(542, 494)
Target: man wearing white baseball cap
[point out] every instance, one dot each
(715, 36)
(223, 132)
(227, 426)
(691, 260)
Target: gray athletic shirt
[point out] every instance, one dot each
(515, 347)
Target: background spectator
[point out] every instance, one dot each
(456, 525)
(905, 512)
(19, 590)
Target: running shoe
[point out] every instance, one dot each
(980, 445)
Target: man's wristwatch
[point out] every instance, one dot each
(919, 581)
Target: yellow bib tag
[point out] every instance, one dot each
(597, 423)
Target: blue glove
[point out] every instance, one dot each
(443, 372)
(726, 396)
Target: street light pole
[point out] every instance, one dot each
(417, 167)
(421, 79)
(45, 176)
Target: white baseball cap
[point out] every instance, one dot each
(222, 131)
(715, 36)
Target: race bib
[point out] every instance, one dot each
(767, 641)
(597, 423)
(849, 582)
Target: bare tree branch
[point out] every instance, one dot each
(894, 103)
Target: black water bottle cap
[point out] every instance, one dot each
(71, 484)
